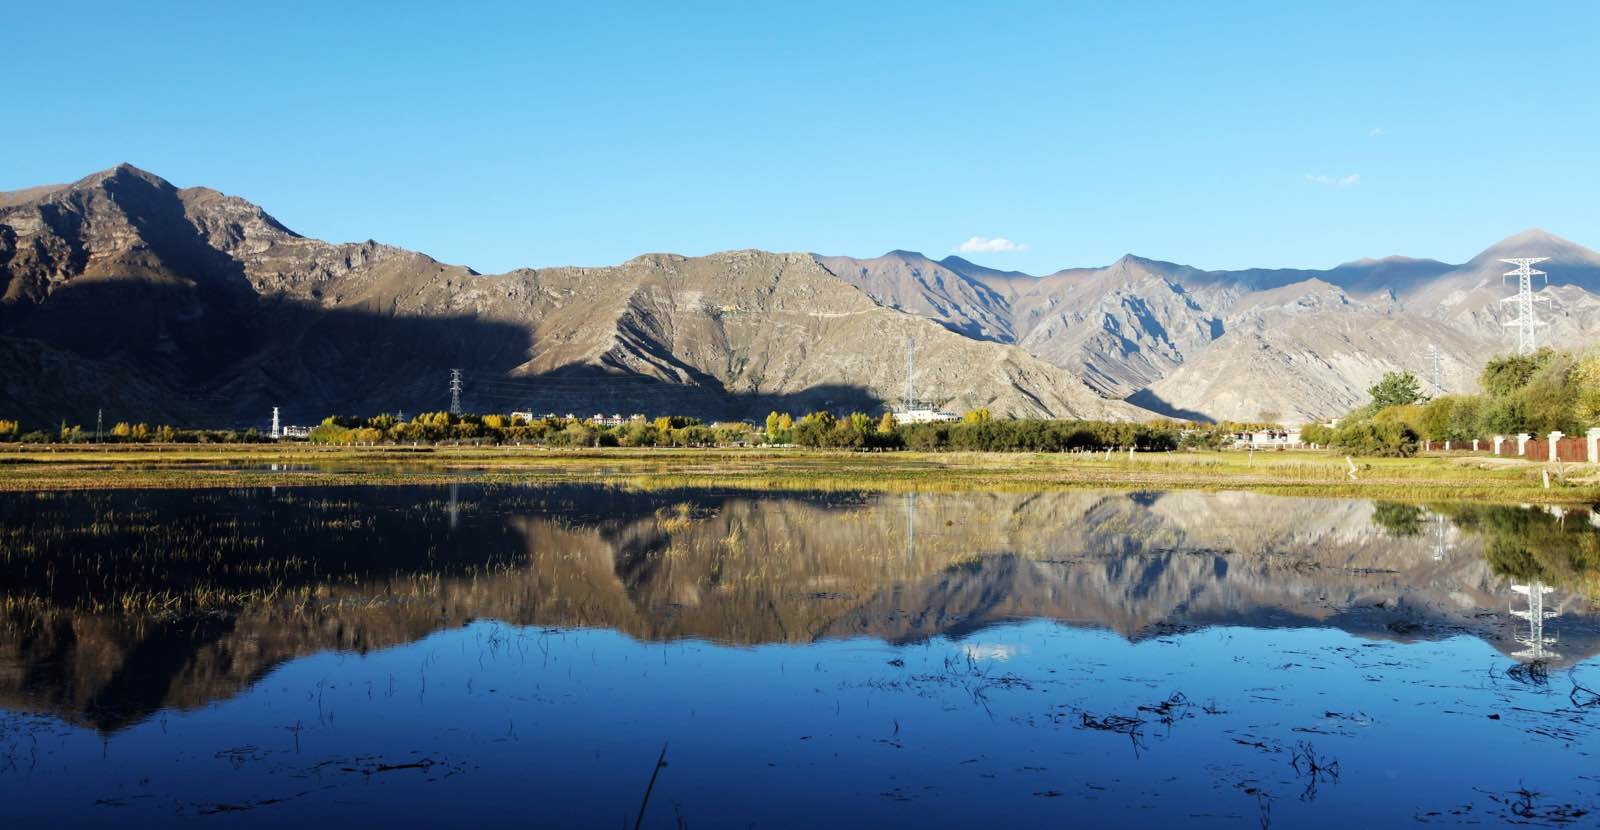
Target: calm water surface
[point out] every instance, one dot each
(493, 655)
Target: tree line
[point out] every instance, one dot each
(124, 432)
(1535, 393)
(978, 430)
(437, 427)
(1546, 391)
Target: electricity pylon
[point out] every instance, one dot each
(1537, 643)
(1523, 301)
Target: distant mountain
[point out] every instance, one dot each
(1279, 344)
(121, 292)
(948, 564)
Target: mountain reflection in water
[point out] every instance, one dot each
(119, 604)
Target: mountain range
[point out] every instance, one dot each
(123, 293)
(895, 568)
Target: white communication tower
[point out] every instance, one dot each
(910, 399)
(911, 409)
(277, 432)
(1523, 301)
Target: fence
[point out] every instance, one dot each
(1567, 449)
(1485, 446)
(1573, 448)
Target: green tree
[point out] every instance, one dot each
(1551, 395)
(1319, 434)
(813, 429)
(578, 434)
(1506, 415)
(1586, 376)
(1396, 389)
(639, 434)
(1373, 436)
(1399, 520)
(1506, 375)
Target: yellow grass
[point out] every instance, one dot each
(1298, 473)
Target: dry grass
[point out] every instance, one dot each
(1290, 473)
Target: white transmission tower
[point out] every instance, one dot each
(910, 400)
(1537, 642)
(1523, 301)
(455, 391)
(1440, 546)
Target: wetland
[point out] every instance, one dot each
(500, 652)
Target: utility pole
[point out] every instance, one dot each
(1438, 377)
(455, 391)
(1522, 301)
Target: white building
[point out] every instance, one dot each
(922, 412)
(1268, 439)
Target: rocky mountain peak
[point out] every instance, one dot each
(121, 275)
(1536, 242)
(122, 183)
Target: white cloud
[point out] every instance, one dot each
(1375, 132)
(985, 245)
(1335, 181)
(989, 651)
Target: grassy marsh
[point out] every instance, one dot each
(1291, 473)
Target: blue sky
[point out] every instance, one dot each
(1218, 135)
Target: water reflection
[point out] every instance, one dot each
(117, 605)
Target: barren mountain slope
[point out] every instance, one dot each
(1309, 351)
(1290, 343)
(911, 282)
(208, 309)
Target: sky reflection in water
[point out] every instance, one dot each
(415, 655)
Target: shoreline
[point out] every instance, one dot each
(1297, 473)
